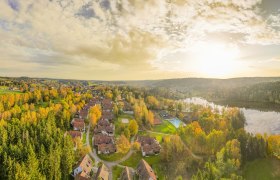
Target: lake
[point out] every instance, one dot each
(257, 121)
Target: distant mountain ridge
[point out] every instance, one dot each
(188, 84)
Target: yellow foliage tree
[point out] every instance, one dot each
(123, 144)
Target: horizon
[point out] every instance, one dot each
(243, 77)
(132, 40)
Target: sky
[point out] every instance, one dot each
(139, 39)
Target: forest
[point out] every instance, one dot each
(211, 145)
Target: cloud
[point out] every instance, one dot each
(123, 34)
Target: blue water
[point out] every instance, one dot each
(176, 122)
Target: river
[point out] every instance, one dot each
(257, 121)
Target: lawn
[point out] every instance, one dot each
(5, 90)
(117, 172)
(154, 162)
(152, 134)
(262, 169)
(165, 127)
(84, 137)
(111, 157)
(119, 124)
(90, 138)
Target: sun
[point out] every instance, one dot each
(214, 59)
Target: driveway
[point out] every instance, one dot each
(109, 164)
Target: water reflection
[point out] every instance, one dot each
(256, 121)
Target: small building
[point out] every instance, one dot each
(127, 174)
(107, 105)
(157, 121)
(84, 169)
(77, 120)
(106, 130)
(84, 113)
(107, 115)
(145, 172)
(104, 127)
(75, 134)
(102, 139)
(106, 148)
(149, 145)
(79, 126)
(102, 173)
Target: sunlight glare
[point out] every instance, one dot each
(217, 60)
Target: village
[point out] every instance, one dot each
(101, 139)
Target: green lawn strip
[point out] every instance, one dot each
(262, 169)
(165, 127)
(7, 91)
(90, 139)
(111, 157)
(84, 137)
(152, 134)
(117, 172)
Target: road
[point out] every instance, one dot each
(109, 164)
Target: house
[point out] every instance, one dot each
(126, 174)
(103, 122)
(77, 115)
(107, 115)
(145, 172)
(84, 169)
(77, 120)
(165, 115)
(75, 134)
(79, 126)
(106, 130)
(104, 127)
(107, 105)
(106, 148)
(102, 139)
(149, 145)
(127, 108)
(102, 173)
(84, 113)
(157, 121)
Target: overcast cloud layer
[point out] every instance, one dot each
(133, 39)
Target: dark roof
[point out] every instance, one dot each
(145, 171)
(126, 174)
(149, 145)
(78, 124)
(108, 129)
(86, 164)
(102, 139)
(102, 173)
(103, 148)
(75, 134)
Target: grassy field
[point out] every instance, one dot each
(5, 90)
(165, 127)
(117, 172)
(118, 123)
(111, 157)
(84, 137)
(154, 162)
(152, 134)
(262, 169)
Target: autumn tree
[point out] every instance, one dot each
(123, 145)
(133, 127)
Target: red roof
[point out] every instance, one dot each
(79, 124)
(75, 134)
